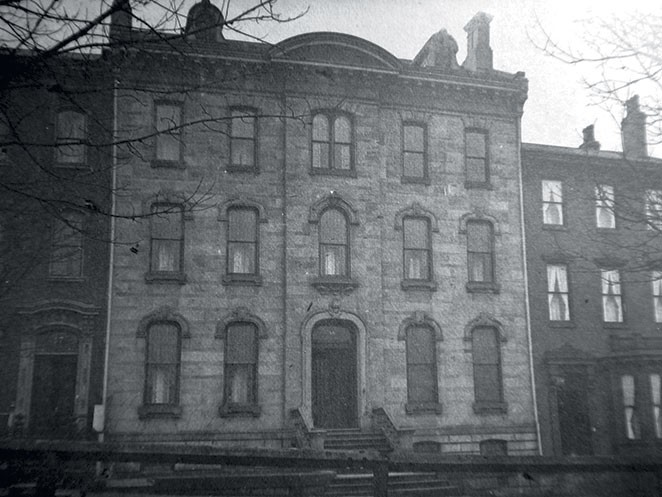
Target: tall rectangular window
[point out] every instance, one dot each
(480, 252)
(612, 299)
(66, 257)
(413, 152)
(656, 283)
(557, 292)
(605, 216)
(71, 135)
(421, 365)
(167, 238)
(332, 142)
(242, 250)
(487, 365)
(552, 202)
(417, 251)
(653, 212)
(333, 244)
(162, 364)
(656, 404)
(476, 156)
(632, 428)
(168, 132)
(242, 139)
(241, 352)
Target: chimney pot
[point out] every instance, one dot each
(590, 144)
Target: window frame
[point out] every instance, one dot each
(253, 278)
(331, 117)
(653, 212)
(483, 286)
(415, 406)
(618, 296)
(178, 132)
(605, 202)
(252, 407)
(474, 183)
(483, 405)
(172, 409)
(66, 223)
(163, 276)
(560, 203)
(428, 250)
(656, 293)
(347, 246)
(251, 112)
(64, 141)
(405, 178)
(552, 292)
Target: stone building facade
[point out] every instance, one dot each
(320, 237)
(593, 244)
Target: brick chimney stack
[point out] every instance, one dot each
(120, 21)
(479, 53)
(633, 129)
(590, 144)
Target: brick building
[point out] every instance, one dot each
(592, 238)
(326, 239)
(54, 263)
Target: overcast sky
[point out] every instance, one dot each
(558, 107)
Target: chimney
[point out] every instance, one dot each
(479, 53)
(120, 21)
(633, 129)
(590, 144)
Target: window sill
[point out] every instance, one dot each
(478, 185)
(554, 227)
(614, 325)
(351, 173)
(334, 284)
(561, 324)
(415, 180)
(242, 169)
(490, 407)
(66, 279)
(239, 411)
(483, 287)
(72, 165)
(606, 229)
(413, 408)
(176, 278)
(242, 280)
(428, 285)
(167, 164)
(151, 411)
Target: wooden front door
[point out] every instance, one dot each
(334, 399)
(573, 412)
(52, 410)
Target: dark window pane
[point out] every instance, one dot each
(240, 383)
(71, 132)
(476, 145)
(416, 233)
(476, 170)
(333, 227)
(420, 345)
(342, 159)
(480, 267)
(241, 257)
(321, 155)
(243, 124)
(342, 130)
(421, 383)
(487, 383)
(414, 165)
(243, 152)
(163, 343)
(166, 221)
(320, 128)
(241, 347)
(479, 237)
(162, 384)
(485, 346)
(242, 225)
(416, 265)
(168, 120)
(166, 255)
(414, 141)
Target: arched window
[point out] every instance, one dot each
(242, 241)
(241, 356)
(332, 143)
(421, 366)
(488, 389)
(71, 135)
(333, 244)
(66, 258)
(166, 241)
(417, 250)
(162, 364)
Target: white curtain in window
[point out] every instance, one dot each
(166, 256)
(611, 296)
(557, 293)
(655, 398)
(631, 422)
(240, 385)
(552, 197)
(656, 279)
(604, 206)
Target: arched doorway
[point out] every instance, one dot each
(53, 410)
(334, 374)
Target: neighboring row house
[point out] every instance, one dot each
(595, 284)
(318, 244)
